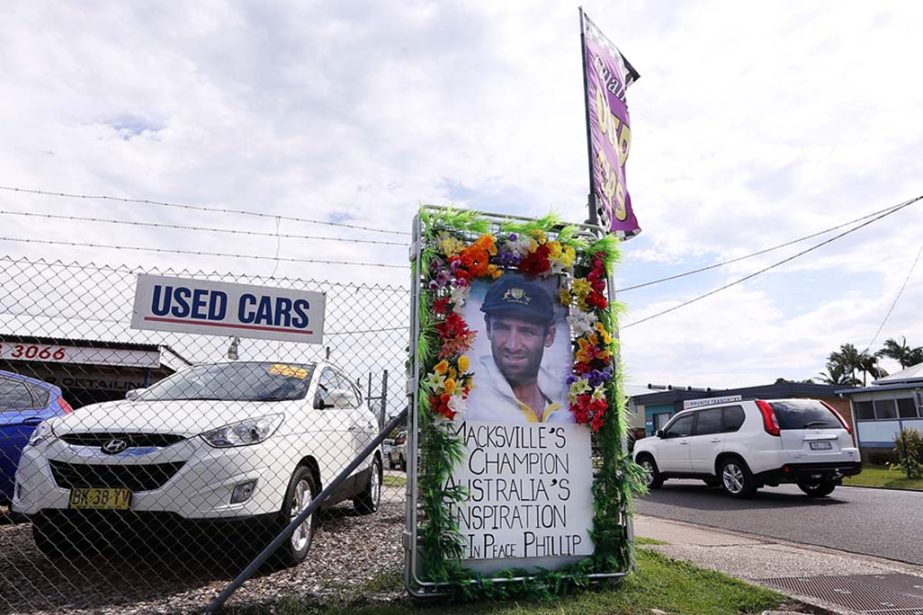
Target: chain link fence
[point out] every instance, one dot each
(168, 460)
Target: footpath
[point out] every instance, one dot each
(830, 581)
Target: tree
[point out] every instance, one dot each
(902, 353)
(838, 374)
(849, 360)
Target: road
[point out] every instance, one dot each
(879, 522)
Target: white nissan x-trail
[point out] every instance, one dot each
(215, 446)
(745, 445)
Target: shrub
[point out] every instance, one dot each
(910, 452)
(881, 458)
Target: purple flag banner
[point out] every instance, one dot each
(607, 74)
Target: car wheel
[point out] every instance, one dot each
(817, 488)
(652, 475)
(55, 541)
(736, 478)
(391, 464)
(403, 464)
(302, 488)
(370, 498)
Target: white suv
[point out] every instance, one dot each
(745, 445)
(213, 447)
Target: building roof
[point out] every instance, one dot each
(767, 391)
(914, 373)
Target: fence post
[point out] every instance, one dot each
(383, 413)
(216, 604)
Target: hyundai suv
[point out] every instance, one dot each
(745, 445)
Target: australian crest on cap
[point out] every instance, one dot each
(517, 295)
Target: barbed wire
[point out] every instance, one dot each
(186, 227)
(243, 212)
(77, 244)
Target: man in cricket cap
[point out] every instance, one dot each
(519, 322)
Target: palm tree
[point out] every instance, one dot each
(838, 374)
(902, 353)
(847, 359)
(850, 360)
(868, 365)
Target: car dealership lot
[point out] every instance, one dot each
(880, 522)
(348, 550)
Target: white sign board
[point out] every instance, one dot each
(183, 305)
(529, 491)
(56, 353)
(710, 401)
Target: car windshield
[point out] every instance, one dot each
(804, 414)
(245, 381)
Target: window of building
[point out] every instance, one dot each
(885, 409)
(907, 408)
(865, 411)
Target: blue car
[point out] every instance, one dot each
(24, 403)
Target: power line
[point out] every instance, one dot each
(774, 265)
(242, 212)
(893, 303)
(195, 252)
(185, 227)
(760, 252)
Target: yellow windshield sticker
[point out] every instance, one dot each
(289, 371)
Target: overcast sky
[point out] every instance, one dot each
(753, 124)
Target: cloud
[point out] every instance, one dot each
(752, 125)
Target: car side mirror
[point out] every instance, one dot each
(134, 394)
(659, 433)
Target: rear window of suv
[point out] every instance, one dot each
(804, 414)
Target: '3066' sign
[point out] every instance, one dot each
(92, 355)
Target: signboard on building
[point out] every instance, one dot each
(184, 305)
(710, 401)
(63, 353)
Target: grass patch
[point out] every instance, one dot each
(392, 480)
(640, 540)
(881, 476)
(660, 583)
(392, 580)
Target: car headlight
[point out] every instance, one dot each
(243, 433)
(42, 433)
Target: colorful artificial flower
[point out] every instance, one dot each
(442, 305)
(448, 245)
(536, 262)
(463, 363)
(441, 368)
(581, 323)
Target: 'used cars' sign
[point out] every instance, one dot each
(220, 308)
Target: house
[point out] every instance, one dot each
(657, 407)
(886, 407)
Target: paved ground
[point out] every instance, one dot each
(832, 580)
(878, 522)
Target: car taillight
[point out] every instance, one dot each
(63, 405)
(770, 422)
(839, 416)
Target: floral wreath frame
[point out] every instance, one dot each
(457, 247)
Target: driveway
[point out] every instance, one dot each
(878, 522)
